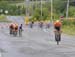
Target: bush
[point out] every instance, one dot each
(69, 22)
(2, 17)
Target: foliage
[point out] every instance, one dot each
(70, 29)
(12, 9)
(72, 11)
(59, 8)
(69, 22)
(3, 18)
(37, 14)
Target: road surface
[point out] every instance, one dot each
(35, 43)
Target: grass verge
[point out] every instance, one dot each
(69, 29)
(3, 19)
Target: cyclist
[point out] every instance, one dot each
(15, 30)
(47, 25)
(31, 24)
(57, 26)
(20, 29)
(16, 27)
(11, 28)
(41, 24)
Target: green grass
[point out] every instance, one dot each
(70, 29)
(3, 19)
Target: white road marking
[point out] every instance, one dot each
(0, 55)
(45, 30)
(52, 42)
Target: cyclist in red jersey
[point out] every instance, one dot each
(57, 25)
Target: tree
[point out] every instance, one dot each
(72, 11)
(60, 5)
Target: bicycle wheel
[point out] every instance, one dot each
(15, 33)
(20, 32)
(57, 42)
(57, 37)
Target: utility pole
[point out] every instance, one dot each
(52, 10)
(41, 9)
(67, 9)
(27, 12)
(32, 7)
(36, 3)
(27, 5)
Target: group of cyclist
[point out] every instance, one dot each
(40, 24)
(14, 26)
(14, 29)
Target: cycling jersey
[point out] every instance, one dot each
(57, 24)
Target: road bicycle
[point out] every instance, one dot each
(57, 36)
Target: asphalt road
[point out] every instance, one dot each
(35, 43)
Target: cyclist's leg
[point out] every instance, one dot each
(57, 35)
(60, 37)
(15, 31)
(10, 30)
